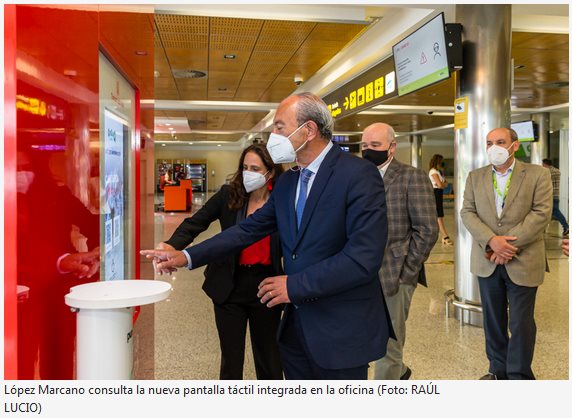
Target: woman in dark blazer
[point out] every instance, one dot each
(232, 283)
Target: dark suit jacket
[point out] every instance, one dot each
(219, 274)
(413, 227)
(332, 262)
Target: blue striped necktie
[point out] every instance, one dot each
(305, 175)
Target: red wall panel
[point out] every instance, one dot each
(10, 209)
(55, 167)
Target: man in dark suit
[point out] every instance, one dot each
(413, 231)
(331, 218)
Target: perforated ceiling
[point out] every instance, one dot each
(269, 53)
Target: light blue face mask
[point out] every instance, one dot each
(281, 149)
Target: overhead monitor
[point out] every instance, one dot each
(421, 58)
(527, 130)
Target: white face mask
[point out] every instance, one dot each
(23, 181)
(498, 155)
(281, 149)
(253, 181)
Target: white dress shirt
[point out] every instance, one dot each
(502, 180)
(383, 168)
(314, 166)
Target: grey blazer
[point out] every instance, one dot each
(527, 211)
(413, 228)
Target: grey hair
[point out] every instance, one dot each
(311, 107)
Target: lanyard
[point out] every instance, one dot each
(496, 187)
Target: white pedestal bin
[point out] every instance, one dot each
(105, 324)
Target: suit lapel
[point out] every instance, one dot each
(516, 180)
(324, 173)
(489, 188)
(391, 173)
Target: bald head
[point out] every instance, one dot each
(507, 133)
(503, 137)
(379, 132)
(378, 143)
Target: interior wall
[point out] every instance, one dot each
(223, 162)
(428, 149)
(403, 152)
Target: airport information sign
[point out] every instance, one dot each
(421, 58)
(370, 88)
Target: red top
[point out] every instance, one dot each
(257, 253)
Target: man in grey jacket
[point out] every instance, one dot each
(413, 230)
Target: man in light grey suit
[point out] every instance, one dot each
(413, 230)
(506, 208)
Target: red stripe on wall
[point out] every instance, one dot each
(10, 207)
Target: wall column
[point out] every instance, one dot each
(564, 161)
(485, 81)
(415, 142)
(539, 149)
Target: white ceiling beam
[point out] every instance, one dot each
(209, 105)
(333, 13)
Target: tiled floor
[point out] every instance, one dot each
(186, 341)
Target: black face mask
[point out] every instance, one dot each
(376, 157)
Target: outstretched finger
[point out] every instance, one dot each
(152, 253)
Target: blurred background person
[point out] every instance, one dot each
(49, 264)
(232, 283)
(168, 179)
(556, 214)
(439, 183)
(412, 233)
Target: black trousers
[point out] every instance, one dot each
(509, 357)
(243, 307)
(298, 362)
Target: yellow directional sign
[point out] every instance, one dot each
(365, 91)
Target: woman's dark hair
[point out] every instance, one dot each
(436, 161)
(238, 195)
